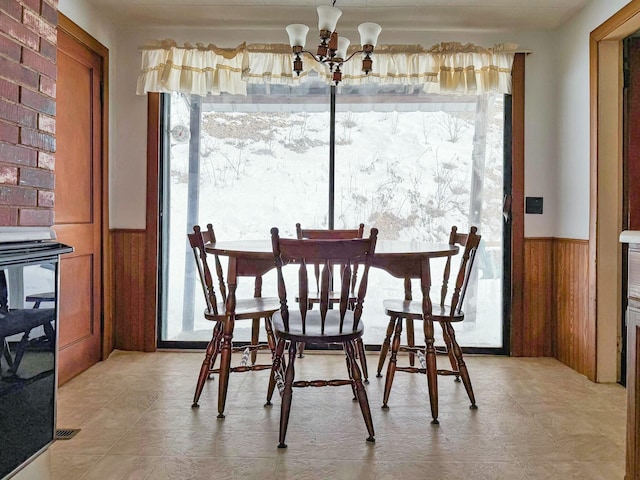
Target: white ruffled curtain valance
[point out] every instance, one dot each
(452, 68)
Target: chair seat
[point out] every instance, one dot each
(313, 333)
(248, 308)
(412, 309)
(23, 320)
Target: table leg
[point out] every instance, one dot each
(227, 337)
(427, 310)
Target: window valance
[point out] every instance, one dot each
(208, 70)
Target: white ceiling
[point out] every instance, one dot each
(393, 15)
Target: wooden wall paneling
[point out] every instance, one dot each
(129, 247)
(538, 329)
(575, 331)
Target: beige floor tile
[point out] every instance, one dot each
(537, 419)
(89, 441)
(591, 448)
(71, 467)
(208, 468)
(122, 467)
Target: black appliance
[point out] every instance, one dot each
(29, 296)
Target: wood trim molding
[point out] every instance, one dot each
(571, 240)
(518, 320)
(605, 263)
(127, 230)
(152, 223)
(621, 24)
(71, 28)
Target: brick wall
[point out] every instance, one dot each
(27, 111)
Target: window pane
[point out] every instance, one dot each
(413, 172)
(247, 151)
(408, 163)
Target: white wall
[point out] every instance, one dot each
(90, 20)
(556, 109)
(572, 113)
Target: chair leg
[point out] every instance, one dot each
(218, 337)
(450, 354)
(278, 366)
(207, 363)
(363, 360)
(301, 346)
(225, 365)
(432, 372)
(6, 352)
(385, 346)
(361, 392)
(348, 360)
(255, 338)
(272, 346)
(411, 341)
(287, 394)
(20, 350)
(391, 368)
(50, 333)
(462, 366)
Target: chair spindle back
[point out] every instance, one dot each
(470, 241)
(333, 234)
(325, 253)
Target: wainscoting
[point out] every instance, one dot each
(575, 334)
(134, 292)
(537, 327)
(554, 324)
(556, 291)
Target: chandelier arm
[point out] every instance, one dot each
(352, 55)
(312, 56)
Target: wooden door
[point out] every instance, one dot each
(79, 203)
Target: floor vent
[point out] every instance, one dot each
(66, 434)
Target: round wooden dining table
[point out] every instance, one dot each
(401, 259)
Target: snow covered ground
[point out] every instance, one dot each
(407, 173)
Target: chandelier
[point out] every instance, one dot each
(332, 50)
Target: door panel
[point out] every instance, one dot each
(78, 204)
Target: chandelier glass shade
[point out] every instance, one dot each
(332, 49)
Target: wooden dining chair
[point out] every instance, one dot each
(447, 311)
(323, 325)
(334, 295)
(253, 309)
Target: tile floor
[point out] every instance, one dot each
(537, 419)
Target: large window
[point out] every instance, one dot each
(410, 164)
